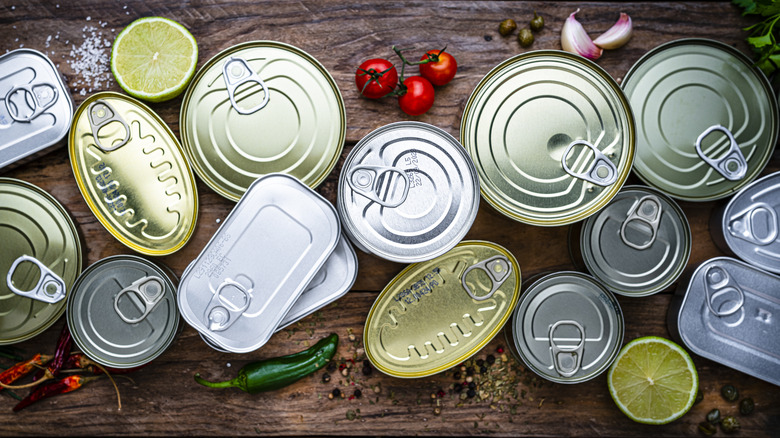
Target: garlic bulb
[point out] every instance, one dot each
(574, 39)
(617, 35)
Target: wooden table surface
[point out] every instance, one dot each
(163, 399)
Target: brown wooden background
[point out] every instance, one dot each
(164, 399)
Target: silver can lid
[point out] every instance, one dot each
(408, 192)
(257, 264)
(35, 106)
(567, 328)
(122, 311)
(637, 245)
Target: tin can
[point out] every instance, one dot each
(35, 106)
(132, 174)
(39, 261)
(707, 120)
(725, 313)
(122, 311)
(748, 224)
(262, 107)
(408, 192)
(567, 328)
(257, 264)
(436, 314)
(639, 244)
(552, 137)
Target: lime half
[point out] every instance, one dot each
(154, 58)
(653, 380)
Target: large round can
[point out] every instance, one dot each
(122, 311)
(567, 328)
(262, 107)
(408, 192)
(707, 120)
(551, 135)
(637, 245)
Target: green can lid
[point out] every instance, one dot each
(707, 120)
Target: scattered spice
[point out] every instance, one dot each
(729, 424)
(335, 393)
(325, 378)
(699, 396)
(507, 27)
(491, 359)
(437, 410)
(358, 393)
(729, 392)
(351, 415)
(707, 428)
(746, 406)
(713, 416)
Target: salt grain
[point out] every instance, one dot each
(90, 61)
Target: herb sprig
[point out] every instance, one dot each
(763, 35)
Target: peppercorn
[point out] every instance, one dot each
(488, 38)
(441, 393)
(746, 406)
(336, 392)
(525, 37)
(325, 377)
(707, 428)
(470, 371)
(472, 385)
(366, 363)
(358, 393)
(537, 23)
(480, 362)
(729, 424)
(345, 372)
(456, 376)
(507, 27)
(491, 359)
(331, 367)
(471, 393)
(367, 370)
(482, 370)
(437, 410)
(433, 395)
(469, 379)
(500, 350)
(458, 388)
(729, 392)
(713, 416)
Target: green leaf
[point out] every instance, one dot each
(764, 40)
(748, 6)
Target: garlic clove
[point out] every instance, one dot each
(574, 39)
(617, 35)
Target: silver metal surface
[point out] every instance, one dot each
(50, 287)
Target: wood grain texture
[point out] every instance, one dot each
(163, 399)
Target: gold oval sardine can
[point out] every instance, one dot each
(551, 135)
(436, 314)
(262, 107)
(132, 173)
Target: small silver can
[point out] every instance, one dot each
(567, 328)
(35, 106)
(408, 192)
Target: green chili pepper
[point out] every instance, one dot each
(276, 373)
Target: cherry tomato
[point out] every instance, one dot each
(418, 98)
(376, 78)
(441, 69)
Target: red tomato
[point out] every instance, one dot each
(441, 69)
(418, 98)
(376, 78)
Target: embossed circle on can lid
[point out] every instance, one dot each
(551, 135)
(262, 107)
(707, 120)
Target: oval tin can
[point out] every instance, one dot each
(567, 327)
(132, 174)
(122, 311)
(551, 135)
(35, 106)
(725, 313)
(707, 120)
(39, 261)
(639, 244)
(748, 225)
(262, 107)
(408, 192)
(269, 248)
(436, 314)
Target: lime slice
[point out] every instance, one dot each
(653, 380)
(154, 59)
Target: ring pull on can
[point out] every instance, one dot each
(497, 269)
(647, 210)
(236, 72)
(717, 283)
(601, 172)
(100, 114)
(39, 97)
(378, 183)
(50, 288)
(567, 359)
(757, 225)
(732, 166)
(223, 310)
(150, 290)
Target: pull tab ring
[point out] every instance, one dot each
(50, 287)
(572, 355)
(718, 282)
(647, 210)
(237, 72)
(221, 311)
(743, 224)
(497, 268)
(733, 157)
(377, 182)
(149, 289)
(596, 172)
(100, 114)
(41, 100)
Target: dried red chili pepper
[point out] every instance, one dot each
(82, 362)
(21, 369)
(64, 345)
(62, 386)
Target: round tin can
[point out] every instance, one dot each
(122, 311)
(262, 107)
(551, 135)
(408, 192)
(436, 314)
(637, 245)
(39, 260)
(567, 328)
(707, 120)
(131, 171)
